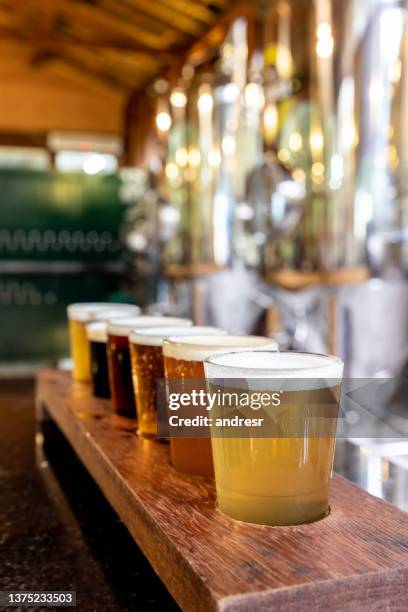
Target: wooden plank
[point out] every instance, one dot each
(63, 42)
(132, 14)
(166, 15)
(80, 12)
(128, 69)
(355, 559)
(54, 96)
(220, 4)
(41, 57)
(140, 130)
(202, 13)
(79, 74)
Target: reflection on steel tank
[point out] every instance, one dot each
(335, 116)
(301, 192)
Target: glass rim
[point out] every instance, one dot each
(156, 335)
(84, 311)
(197, 348)
(97, 331)
(303, 372)
(190, 341)
(119, 327)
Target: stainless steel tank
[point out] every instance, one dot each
(336, 116)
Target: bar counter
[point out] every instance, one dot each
(59, 532)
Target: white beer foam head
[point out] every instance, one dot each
(88, 311)
(97, 331)
(124, 326)
(115, 313)
(191, 348)
(289, 371)
(155, 336)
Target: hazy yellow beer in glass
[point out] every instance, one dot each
(278, 475)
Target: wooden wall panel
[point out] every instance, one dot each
(52, 95)
(140, 130)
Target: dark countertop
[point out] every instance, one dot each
(57, 532)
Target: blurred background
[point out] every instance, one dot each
(243, 163)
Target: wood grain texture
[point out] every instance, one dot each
(355, 559)
(154, 34)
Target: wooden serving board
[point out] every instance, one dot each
(355, 559)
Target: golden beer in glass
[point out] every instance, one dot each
(146, 351)
(184, 359)
(282, 479)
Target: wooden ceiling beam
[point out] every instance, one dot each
(63, 42)
(186, 7)
(221, 4)
(102, 65)
(167, 15)
(130, 69)
(133, 61)
(124, 11)
(75, 10)
(70, 71)
(88, 70)
(47, 65)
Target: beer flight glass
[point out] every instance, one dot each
(146, 350)
(78, 317)
(184, 361)
(278, 474)
(120, 377)
(97, 333)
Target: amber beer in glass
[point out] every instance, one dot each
(78, 316)
(146, 349)
(281, 478)
(184, 359)
(120, 377)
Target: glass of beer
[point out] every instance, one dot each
(97, 333)
(78, 316)
(184, 359)
(120, 377)
(146, 349)
(279, 473)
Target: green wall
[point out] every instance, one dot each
(58, 216)
(59, 236)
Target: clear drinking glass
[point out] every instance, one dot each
(184, 360)
(78, 317)
(146, 351)
(120, 377)
(278, 474)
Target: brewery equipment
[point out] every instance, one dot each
(295, 161)
(335, 85)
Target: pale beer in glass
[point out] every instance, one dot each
(279, 475)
